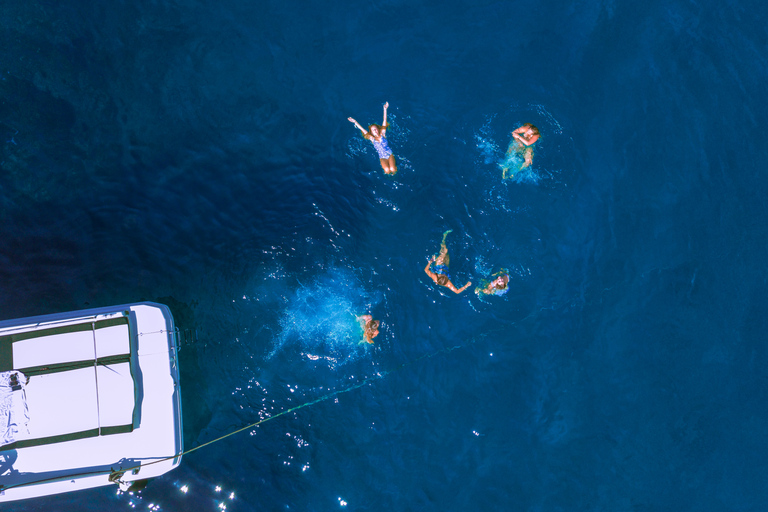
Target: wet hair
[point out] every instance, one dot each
(378, 127)
(372, 329)
(442, 279)
(504, 278)
(533, 129)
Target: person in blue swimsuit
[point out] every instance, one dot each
(498, 286)
(440, 272)
(524, 139)
(377, 134)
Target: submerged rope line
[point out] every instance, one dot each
(327, 396)
(116, 474)
(282, 413)
(319, 399)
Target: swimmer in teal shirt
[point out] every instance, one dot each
(525, 137)
(499, 286)
(377, 134)
(440, 273)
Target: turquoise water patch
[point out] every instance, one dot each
(320, 317)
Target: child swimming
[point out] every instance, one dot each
(378, 136)
(370, 327)
(440, 274)
(498, 286)
(525, 137)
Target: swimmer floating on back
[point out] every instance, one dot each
(498, 286)
(378, 136)
(525, 137)
(370, 327)
(440, 274)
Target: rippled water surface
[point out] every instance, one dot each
(198, 154)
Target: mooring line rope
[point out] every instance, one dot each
(319, 399)
(116, 474)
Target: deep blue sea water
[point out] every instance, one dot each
(198, 154)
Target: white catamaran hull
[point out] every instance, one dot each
(88, 398)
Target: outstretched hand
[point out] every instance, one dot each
(386, 104)
(351, 120)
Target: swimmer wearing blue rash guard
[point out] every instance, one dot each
(440, 273)
(378, 136)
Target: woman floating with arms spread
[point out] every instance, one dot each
(378, 136)
(525, 137)
(440, 274)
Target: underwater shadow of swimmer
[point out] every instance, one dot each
(512, 169)
(527, 175)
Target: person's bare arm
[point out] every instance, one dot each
(431, 274)
(523, 140)
(357, 125)
(453, 288)
(531, 141)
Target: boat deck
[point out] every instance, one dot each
(101, 393)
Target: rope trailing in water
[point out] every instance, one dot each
(116, 474)
(319, 399)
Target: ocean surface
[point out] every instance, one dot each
(198, 154)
